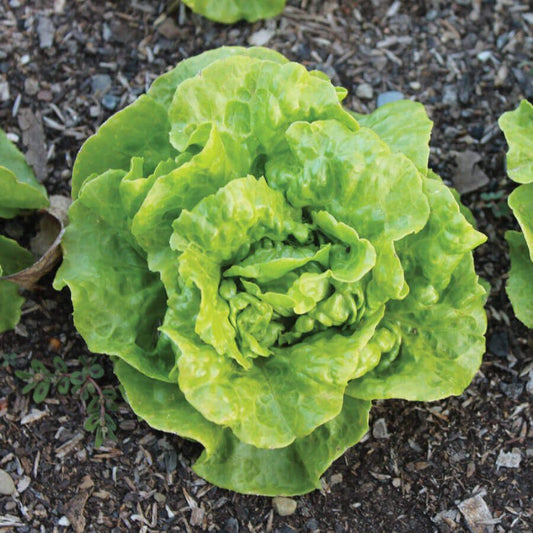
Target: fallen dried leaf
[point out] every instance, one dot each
(49, 240)
(468, 176)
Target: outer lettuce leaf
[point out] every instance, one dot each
(227, 461)
(442, 321)
(164, 87)
(517, 126)
(405, 127)
(13, 258)
(98, 246)
(139, 130)
(520, 284)
(521, 202)
(19, 189)
(229, 11)
(442, 344)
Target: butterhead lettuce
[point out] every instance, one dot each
(229, 11)
(261, 264)
(517, 127)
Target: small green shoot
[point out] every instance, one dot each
(7, 359)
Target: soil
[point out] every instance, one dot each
(66, 66)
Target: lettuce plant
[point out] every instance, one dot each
(517, 126)
(229, 11)
(261, 264)
(19, 190)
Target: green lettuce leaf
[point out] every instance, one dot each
(229, 462)
(229, 11)
(13, 258)
(19, 189)
(517, 126)
(520, 286)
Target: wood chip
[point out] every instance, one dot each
(69, 446)
(74, 511)
(477, 515)
(33, 138)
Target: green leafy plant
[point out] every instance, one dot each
(99, 401)
(517, 126)
(229, 11)
(261, 264)
(8, 359)
(19, 190)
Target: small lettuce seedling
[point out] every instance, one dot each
(261, 264)
(229, 11)
(19, 190)
(517, 127)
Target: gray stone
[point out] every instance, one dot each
(45, 31)
(449, 95)
(379, 430)
(7, 486)
(100, 83)
(284, 506)
(388, 97)
(364, 91)
(110, 101)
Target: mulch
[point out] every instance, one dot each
(461, 464)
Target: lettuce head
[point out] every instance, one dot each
(261, 264)
(517, 127)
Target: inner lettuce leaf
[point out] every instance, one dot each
(261, 264)
(229, 11)
(517, 126)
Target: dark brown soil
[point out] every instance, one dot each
(73, 63)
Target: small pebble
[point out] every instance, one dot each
(388, 97)
(231, 525)
(261, 37)
(63, 521)
(364, 91)
(335, 479)
(379, 429)
(484, 56)
(45, 31)
(312, 524)
(31, 86)
(110, 101)
(449, 95)
(100, 83)
(7, 486)
(284, 506)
